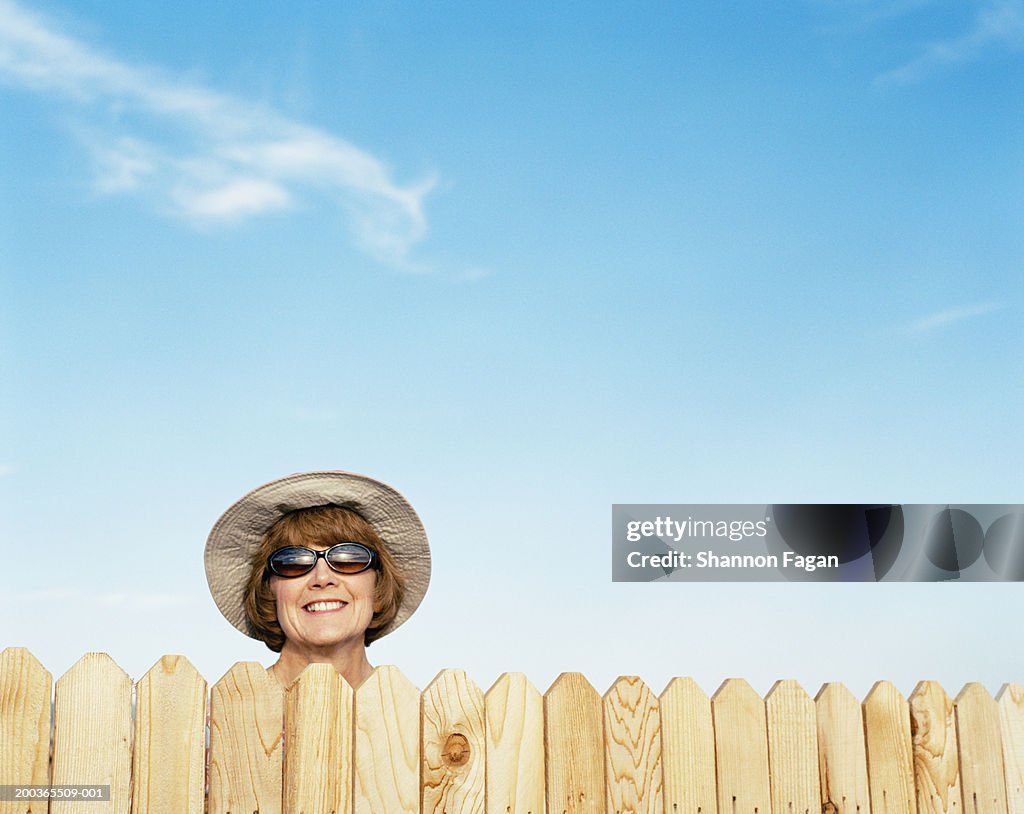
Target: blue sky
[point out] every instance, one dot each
(522, 262)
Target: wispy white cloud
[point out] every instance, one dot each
(998, 24)
(7, 469)
(860, 15)
(951, 316)
(201, 154)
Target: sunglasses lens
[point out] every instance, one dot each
(292, 562)
(349, 558)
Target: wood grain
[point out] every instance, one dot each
(318, 736)
(574, 747)
(92, 733)
(936, 763)
(515, 746)
(1011, 722)
(246, 749)
(453, 748)
(632, 748)
(741, 749)
(687, 749)
(25, 689)
(169, 758)
(981, 751)
(792, 749)
(842, 754)
(890, 751)
(387, 747)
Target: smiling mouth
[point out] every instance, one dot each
(324, 606)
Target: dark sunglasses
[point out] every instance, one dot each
(345, 558)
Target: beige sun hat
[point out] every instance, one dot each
(237, 534)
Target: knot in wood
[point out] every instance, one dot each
(456, 750)
(829, 808)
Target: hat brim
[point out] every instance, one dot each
(237, 534)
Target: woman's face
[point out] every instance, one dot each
(324, 610)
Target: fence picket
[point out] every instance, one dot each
(741, 749)
(842, 754)
(936, 764)
(169, 759)
(632, 739)
(318, 743)
(92, 733)
(574, 746)
(387, 747)
(687, 749)
(792, 749)
(453, 750)
(1011, 720)
(515, 746)
(320, 748)
(981, 751)
(890, 751)
(246, 714)
(25, 687)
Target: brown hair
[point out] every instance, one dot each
(320, 527)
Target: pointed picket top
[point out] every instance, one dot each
(632, 736)
(453, 746)
(936, 762)
(387, 744)
(687, 748)
(25, 688)
(792, 749)
(981, 750)
(93, 730)
(1011, 721)
(574, 746)
(842, 756)
(246, 724)
(318, 717)
(170, 732)
(890, 751)
(735, 690)
(515, 746)
(741, 749)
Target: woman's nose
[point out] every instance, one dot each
(323, 574)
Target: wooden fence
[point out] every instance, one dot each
(322, 748)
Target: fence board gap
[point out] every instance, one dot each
(842, 754)
(453, 748)
(981, 751)
(890, 751)
(92, 733)
(25, 689)
(246, 724)
(741, 749)
(1011, 721)
(574, 746)
(387, 745)
(936, 763)
(515, 746)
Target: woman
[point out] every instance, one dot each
(317, 566)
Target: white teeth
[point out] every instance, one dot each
(322, 606)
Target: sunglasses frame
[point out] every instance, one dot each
(374, 561)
